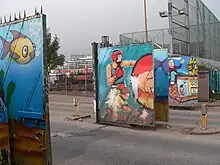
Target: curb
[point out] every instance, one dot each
(205, 133)
(214, 105)
(78, 117)
(191, 131)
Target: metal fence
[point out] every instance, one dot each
(207, 30)
(203, 33)
(160, 37)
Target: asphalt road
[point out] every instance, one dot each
(85, 143)
(181, 118)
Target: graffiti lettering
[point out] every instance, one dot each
(4, 157)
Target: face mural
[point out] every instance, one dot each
(183, 81)
(126, 84)
(22, 92)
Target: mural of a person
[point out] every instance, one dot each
(114, 71)
(143, 82)
(182, 91)
(173, 70)
(117, 101)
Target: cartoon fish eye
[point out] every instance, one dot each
(25, 51)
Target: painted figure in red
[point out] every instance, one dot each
(117, 102)
(143, 82)
(142, 79)
(114, 71)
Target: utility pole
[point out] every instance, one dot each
(145, 19)
(170, 17)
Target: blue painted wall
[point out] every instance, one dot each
(161, 72)
(161, 83)
(27, 98)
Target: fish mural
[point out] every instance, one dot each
(21, 49)
(24, 118)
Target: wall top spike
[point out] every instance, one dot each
(24, 14)
(35, 10)
(41, 9)
(15, 17)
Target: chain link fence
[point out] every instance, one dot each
(160, 37)
(207, 30)
(204, 32)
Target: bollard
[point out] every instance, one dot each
(76, 107)
(204, 114)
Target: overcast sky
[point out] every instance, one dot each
(80, 22)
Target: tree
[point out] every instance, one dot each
(54, 59)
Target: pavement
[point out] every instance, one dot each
(69, 99)
(177, 118)
(89, 99)
(212, 104)
(207, 131)
(85, 143)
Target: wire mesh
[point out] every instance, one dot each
(204, 32)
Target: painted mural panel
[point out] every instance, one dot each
(183, 81)
(126, 84)
(161, 83)
(23, 89)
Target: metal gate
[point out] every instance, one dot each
(24, 105)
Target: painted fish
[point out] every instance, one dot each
(21, 48)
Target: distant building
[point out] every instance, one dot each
(77, 63)
(80, 61)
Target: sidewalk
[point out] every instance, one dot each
(212, 104)
(69, 99)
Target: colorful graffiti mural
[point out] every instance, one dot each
(183, 81)
(22, 82)
(126, 84)
(161, 83)
(4, 135)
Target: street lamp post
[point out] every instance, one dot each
(145, 19)
(170, 15)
